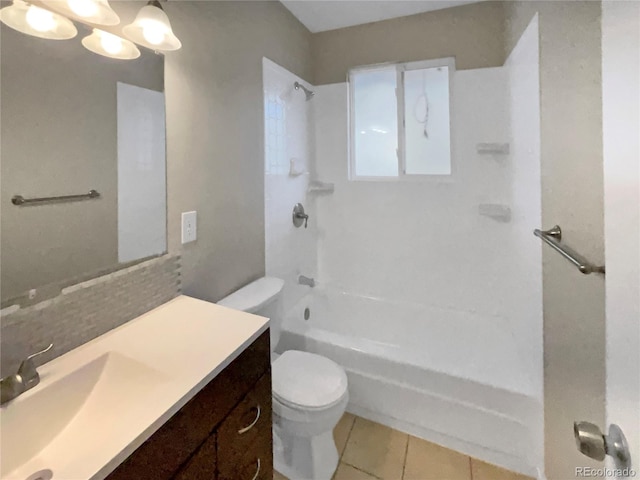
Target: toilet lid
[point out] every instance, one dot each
(307, 380)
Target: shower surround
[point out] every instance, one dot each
(434, 310)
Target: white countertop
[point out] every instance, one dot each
(186, 342)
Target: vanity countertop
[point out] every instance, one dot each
(175, 349)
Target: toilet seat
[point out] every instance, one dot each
(307, 381)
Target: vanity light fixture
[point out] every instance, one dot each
(37, 21)
(97, 12)
(110, 45)
(152, 29)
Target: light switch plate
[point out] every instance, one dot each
(189, 227)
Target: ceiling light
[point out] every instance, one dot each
(37, 21)
(152, 29)
(109, 45)
(98, 12)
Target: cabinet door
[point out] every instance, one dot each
(161, 456)
(202, 466)
(245, 444)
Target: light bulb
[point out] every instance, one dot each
(40, 19)
(152, 29)
(83, 8)
(153, 32)
(111, 43)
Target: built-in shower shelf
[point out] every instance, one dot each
(321, 187)
(297, 168)
(492, 148)
(496, 211)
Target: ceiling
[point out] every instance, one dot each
(319, 16)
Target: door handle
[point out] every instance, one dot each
(594, 444)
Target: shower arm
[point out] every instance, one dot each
(307, 93)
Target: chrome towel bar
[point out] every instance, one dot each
(20, 201)
(553, 237)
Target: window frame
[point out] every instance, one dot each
(400, 68)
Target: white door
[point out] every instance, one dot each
(621, 132)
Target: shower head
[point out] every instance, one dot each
(307, 93)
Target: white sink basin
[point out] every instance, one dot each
(60, 416)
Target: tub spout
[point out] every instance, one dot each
(310, 282)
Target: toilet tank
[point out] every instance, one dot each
(262, 297)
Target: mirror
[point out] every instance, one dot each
(73, 121)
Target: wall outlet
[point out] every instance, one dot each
(189, 227)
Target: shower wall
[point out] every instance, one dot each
(289, 251)
(425, 241)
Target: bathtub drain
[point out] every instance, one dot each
(41, 475)
(307, 313)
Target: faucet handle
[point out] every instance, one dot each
(299, 215)
(33, 355)
(28, 370)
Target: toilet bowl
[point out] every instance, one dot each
(309, 391)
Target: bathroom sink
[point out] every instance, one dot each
(76, 412)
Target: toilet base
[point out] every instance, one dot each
(305, 458)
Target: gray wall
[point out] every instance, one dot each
(59, 136)
(572, 196)
(472, 33)
(215, 133)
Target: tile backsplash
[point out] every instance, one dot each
(86, 310)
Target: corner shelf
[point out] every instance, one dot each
(320, 187)
(492, 148)
(496, 211)
(297, 168)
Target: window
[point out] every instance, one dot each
(400, 120)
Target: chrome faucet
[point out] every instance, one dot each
(310, 282)
(299, 215)
(25, 379)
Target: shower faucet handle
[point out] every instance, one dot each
(299, 215)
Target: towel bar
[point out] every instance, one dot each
(553, 237)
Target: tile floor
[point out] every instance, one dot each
(370, 451)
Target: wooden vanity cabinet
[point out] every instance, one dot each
(224, 432)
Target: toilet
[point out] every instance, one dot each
(309, 392)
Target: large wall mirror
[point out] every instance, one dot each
(72, 122)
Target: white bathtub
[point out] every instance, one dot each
(451, 377)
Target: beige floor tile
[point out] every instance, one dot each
(428, 461)
(342, 431)
(347, 472)
(485, 471)
(278, 476)
(376, 449)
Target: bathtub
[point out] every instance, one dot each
(451, 377)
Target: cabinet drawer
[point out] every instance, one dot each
(245, 436)
(202, 466)
(254, 464)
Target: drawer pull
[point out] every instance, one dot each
(252, 424)
(257, 471)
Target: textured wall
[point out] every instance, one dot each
(215, 133)
(572, 196)
(472, 33)
(86, 310)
